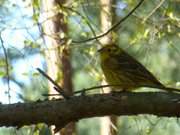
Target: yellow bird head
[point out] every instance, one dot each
(108, 50)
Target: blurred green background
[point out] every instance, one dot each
(153, 40)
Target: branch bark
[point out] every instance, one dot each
(61, 112)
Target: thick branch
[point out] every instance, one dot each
(61, 112)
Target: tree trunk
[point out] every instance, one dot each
(108, 124)
(57, 53)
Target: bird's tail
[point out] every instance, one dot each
(162, 87)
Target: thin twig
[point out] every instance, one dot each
(83, 17)
(113, 27)
(166, 89)
(84, 90)
(154, 10)
(92, 88)
(57, 87)
(7, 68)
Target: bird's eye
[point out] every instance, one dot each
(109, 50)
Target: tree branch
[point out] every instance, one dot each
(61, 112)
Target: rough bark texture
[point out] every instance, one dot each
(52, 41)
(61, 112)
(58, 62)
(68, 87)
(108, 124)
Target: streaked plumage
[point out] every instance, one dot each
(125, 72)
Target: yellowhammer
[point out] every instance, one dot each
(124, 72)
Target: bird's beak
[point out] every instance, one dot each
(100, 50)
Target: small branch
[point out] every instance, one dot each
(57, 87)
(154, 10)
(61, 112)
(83, 17)
(113, 27)
(83, 91)
(7, 68)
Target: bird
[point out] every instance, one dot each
(124, 73)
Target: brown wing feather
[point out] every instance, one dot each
(131, 66)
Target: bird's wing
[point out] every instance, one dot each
(131, 66)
